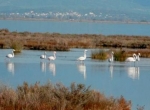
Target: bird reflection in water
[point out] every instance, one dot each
(82, 69)
(52, 68)
(133, 72)
(43, 66)
(111, 70)
(10, 67)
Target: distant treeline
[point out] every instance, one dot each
(63, 42)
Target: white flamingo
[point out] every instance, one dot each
(111, 59)
(131, 59)
(138, 57)
(82, 58)
(52, 57)
(43, 56)
(11, 55)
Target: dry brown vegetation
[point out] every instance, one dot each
(100, 54)
(58, 97)
(61, 42)
(119, 54)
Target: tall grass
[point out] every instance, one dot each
(58, 97)
(17, 46)
(99, 54)
(120, 55)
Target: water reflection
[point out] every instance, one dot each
(10, 67)
(133, 72)
(111, 71)
(52, 68)
(43, 66)
(82, 69)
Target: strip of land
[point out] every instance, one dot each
(63, 42)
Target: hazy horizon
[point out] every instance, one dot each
(122, 9)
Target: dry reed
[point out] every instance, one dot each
(58, 97)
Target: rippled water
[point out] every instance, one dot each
(116, 79)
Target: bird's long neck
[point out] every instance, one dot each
(138, 57)
(134, 56)
(12, 53)
(112, 57)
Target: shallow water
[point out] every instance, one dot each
(116, 79)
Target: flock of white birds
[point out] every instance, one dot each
(82, 58)
(134, 58)
(50, 57)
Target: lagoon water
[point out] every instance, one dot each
(76, 27)
(116, 79)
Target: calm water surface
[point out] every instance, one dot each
(76, 27)
(114, 79)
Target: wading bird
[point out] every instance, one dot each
(131, 59)
(138, 57)
(111, 59)
(43, 56)
(52, 57)
(10, 55)
(82, 58)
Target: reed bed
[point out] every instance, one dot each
(58, 97)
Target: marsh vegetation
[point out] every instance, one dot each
(100, 54)
(58, 97)
(63, 42)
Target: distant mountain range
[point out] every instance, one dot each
(130, 9)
